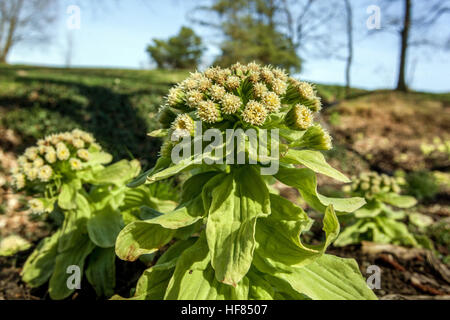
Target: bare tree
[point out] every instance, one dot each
(349, 18)
(24, 21)
(415, 23)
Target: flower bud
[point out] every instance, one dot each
(209, 112)
(299, 118)
(315, 138)
(166, 116)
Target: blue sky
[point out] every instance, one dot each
(116, 36)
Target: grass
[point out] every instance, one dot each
(118, 106)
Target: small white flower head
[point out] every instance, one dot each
(83, 154)
(39, 162)
(280, 74)
(45, 173)
(209, 112)
(299, 118)
(217, 92)
(50, 155)
(222, 76)
(271, 101)
(211, 73)
(62, 152)
(31, 153)
(22, 160)
(239, 69)
(78, 143)
(233, 82)
(279, 86)
(31, 173)
(254, 113)
(306, 90)
(183, 126)
(87, 137)
(267, 75)
(19, 181)
(259, 89)
(36, 206)
(41, 148)
(189, 84)
(75, 164)
(175, 97)
(204, 84)
(253, 67)
(77, 133)
(194, 98)
(254, 76)
(231, 103)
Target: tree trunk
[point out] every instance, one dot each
(401, 84)
(348, 67)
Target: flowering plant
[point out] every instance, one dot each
(235, 238)
(376, 221)
(68, 173)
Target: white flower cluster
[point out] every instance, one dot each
(371, 183)
(248, 93)
(54, 155)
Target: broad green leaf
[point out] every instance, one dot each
(141, 196)
(397, 231)
(194, 278)
(259, 288)
(162, 163)
(306, 182)
(352, 233)
(153, 283)
(101, 271)
(278, 236)
(104, 227)
(172, 170)
(75, 224)
(184, 216)
(160, 133)
(370, 210)
(118, 173)
(315, 161)
(140, 238)
(328, 278)
(40, 264)
(397, 200)
(194, 185)
(99, 158)
(75, 256)
(67, 196)
(236, 204)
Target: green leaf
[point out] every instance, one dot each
(175, 169)
(194, 278)
(396, 231)
(104, 227)
(397, 200)
(259, 288)
(162, 163)
(75, 224)
(236, 204)
(306, 182)
(328, 278)
(40, 264)
(278, 236)
(140, 238)
(194, 185)
(97, 158)
(101, 271)
(184, 216)
(74, 256)
(370, 210)
(67, 196)
(352, 234)
(315, 161)
(118, 173)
